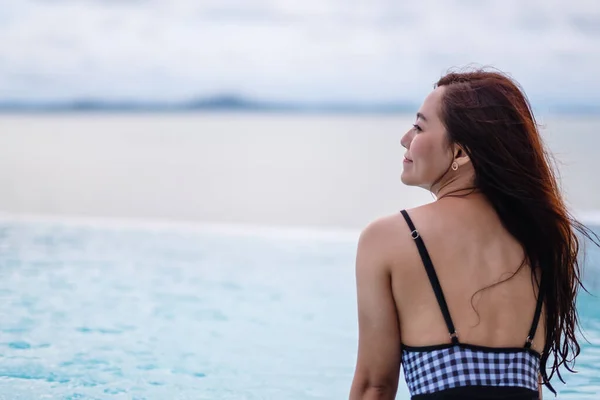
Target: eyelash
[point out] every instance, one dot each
(417, 128)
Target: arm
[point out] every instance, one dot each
(378, 362)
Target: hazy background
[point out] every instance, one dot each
(148, 109)
(310, 50)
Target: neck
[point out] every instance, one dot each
(459, 185)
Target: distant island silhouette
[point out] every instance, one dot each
(233, 103)
(215, 103)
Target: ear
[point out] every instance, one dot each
(461, 156)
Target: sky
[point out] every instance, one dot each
(292, 50)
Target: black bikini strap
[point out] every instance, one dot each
(536, 316)
(433, 279)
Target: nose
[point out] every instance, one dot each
(406, 139)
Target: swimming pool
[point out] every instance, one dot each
(141, 312)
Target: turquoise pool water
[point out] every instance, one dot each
(110, 312)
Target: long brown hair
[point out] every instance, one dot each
(489, 116)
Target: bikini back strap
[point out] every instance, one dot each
(433, 279)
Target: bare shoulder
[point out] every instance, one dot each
(428, 215)
(383, 231)
(387, 238)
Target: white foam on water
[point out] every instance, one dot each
(591, 217)
(588, 217)
(226, 229)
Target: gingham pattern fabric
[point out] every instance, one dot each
(456, 366)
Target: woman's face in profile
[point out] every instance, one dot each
(428, 154)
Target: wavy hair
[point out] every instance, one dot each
(489, 116)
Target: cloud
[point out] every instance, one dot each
(286, 49)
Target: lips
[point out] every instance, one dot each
(407, 159)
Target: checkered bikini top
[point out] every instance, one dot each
(463, 371)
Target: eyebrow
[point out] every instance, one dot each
(419, 115)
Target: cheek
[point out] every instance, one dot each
(428, 156)
(422, 149)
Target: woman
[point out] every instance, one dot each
(461, 312)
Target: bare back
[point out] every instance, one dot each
(470, 250)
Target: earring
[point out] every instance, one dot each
(454, 166)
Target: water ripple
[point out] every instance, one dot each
(98, 313)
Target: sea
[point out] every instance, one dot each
(211, 256)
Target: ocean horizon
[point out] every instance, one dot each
(234, 104)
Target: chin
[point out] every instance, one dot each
(406, 179)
